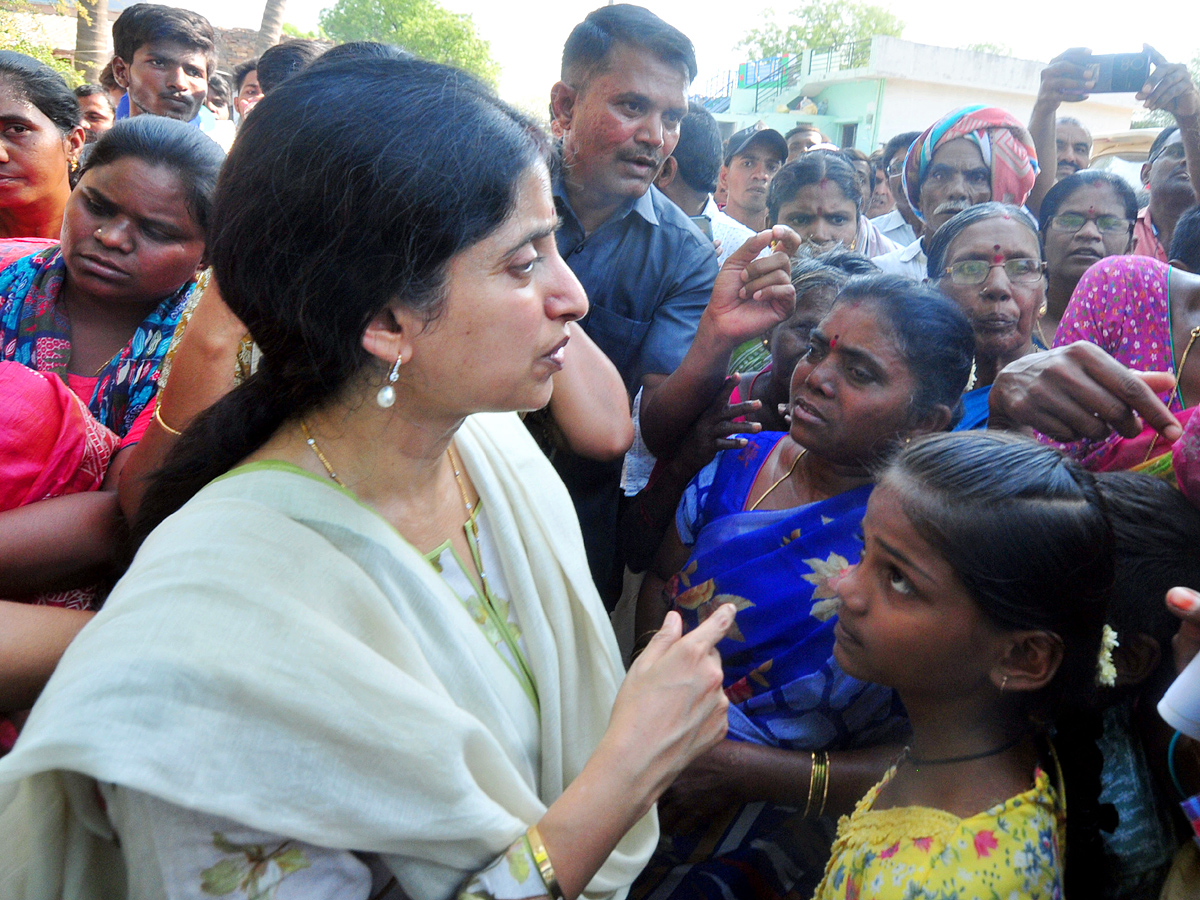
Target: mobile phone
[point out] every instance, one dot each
(1118, 73)
(705, 224)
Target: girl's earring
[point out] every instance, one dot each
(387, 394)
(1045, 306)
(1003, 683)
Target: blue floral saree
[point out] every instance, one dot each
(784, 687)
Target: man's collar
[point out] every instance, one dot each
(643, 205)
(909, 253)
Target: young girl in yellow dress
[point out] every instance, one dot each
(980, 598)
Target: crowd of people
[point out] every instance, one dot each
(402, 499)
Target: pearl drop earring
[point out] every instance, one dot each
(387, 394)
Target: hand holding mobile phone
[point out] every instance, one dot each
(1170, 87)
(1118, 73)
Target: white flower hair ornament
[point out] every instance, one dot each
(1106, 672)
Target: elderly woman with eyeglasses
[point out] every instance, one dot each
(987, 259)
(1085, 217)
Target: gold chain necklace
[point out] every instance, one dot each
(788, 475)
(312, 445)
(1183, 362)
(471, 528)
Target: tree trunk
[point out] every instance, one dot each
(92, 31)
(272, 25)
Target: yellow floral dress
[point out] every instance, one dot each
(1013, 850)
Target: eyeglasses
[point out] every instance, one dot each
(976, 271)
(896, 168)
(1072, 222)
(1171, 151)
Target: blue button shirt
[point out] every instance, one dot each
(648, 272)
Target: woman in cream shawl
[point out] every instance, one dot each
(360, 654)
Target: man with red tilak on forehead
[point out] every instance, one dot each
(657, 308)
(972, 155)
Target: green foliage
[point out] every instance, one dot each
(818, 24)
(22, 34)
(293, 31)
(420, 26)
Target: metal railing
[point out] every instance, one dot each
(717, 91)
(786, 72)
(818, 63)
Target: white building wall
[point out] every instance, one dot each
(910, 105)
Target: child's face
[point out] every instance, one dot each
(906, 620)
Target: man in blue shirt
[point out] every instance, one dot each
(648, 270)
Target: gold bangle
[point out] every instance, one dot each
(159, 419)
(542, 859)
(812, 781)
(824, 782)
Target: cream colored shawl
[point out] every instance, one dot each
(278, 655)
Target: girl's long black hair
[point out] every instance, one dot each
(1025, 529)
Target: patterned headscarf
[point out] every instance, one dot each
(1004, 142)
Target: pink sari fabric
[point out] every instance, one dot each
(1185, 458)
(50, 446)
(1122, 305)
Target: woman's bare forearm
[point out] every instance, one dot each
(58, 543)
(589, 403)
(32, 640)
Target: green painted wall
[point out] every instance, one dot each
(850, 102)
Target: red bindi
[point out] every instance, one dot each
(833, 342)
(998, 257)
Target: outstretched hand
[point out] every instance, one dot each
(1079, 391)
(1066, 79)
(1185, 604)
(1170, 87)
(671, 707)
(716, 429)
(751, 295)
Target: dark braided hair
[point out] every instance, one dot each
(350, 187)
(1026, 531)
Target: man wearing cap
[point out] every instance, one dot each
(751, 158)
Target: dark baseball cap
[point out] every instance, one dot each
(747, 136)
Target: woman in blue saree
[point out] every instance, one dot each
(768, 528)
(988, 260)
